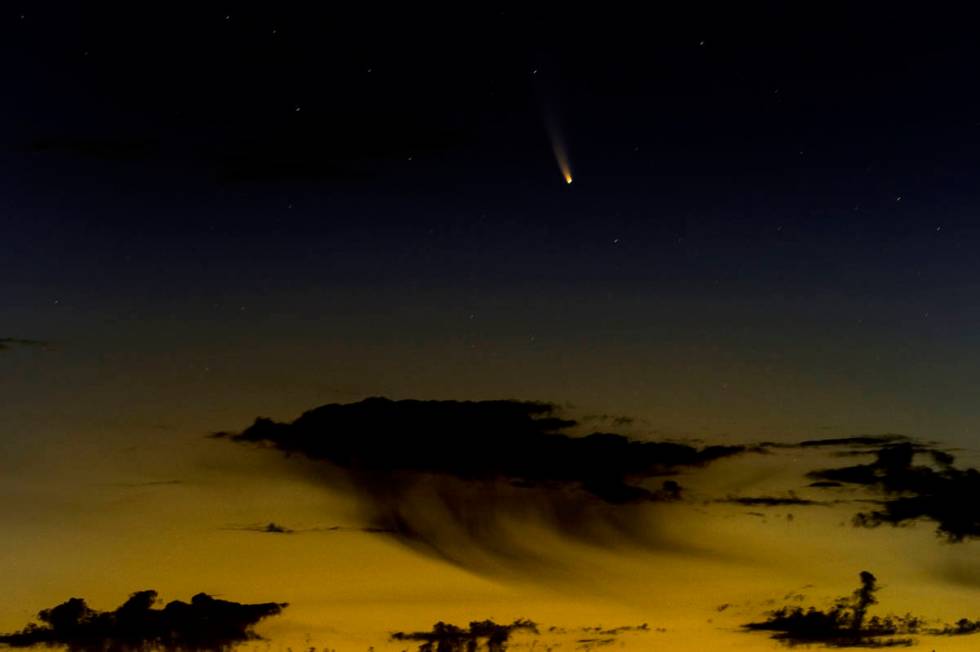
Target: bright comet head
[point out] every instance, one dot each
(568, 178)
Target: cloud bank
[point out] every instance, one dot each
(203, 623)
(847, 624)
(447, 476)
(935, 491)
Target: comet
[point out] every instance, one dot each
(558, 147)
(562, 157)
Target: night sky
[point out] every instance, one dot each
(215, 213)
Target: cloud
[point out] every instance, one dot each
(491, 637)
(769, 501)
(614, 419)
(204, 623)
(825, 484)
(268, 528)
(598, 636)
(7, 343)
(847, 623)
(448, 476)
(857, 441)
(276, 528)
(444, 637)
(961, 627)
(937, 492)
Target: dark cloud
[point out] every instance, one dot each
(614, 419)
(769, 501)
(844, 625)
(444, 637)
(616, 631)
(857, 441)
(848, 624)
(7, 343)
(347, 528)
(205, 623)
(448, 476)
(936, 491)
(276, 528)
(961, 627)
(268, 528)
(602, 636)
(521, 442)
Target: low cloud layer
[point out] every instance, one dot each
(846, 624)
(480, 635)
(919, 483)
(849, 623)
(203, 623)
(446, 475)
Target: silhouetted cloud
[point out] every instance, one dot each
(7, 343)
(348, 528)
(846, 624)
(938, 492)
(513, 440)
(432, 471)
(769, 501)
(480, 635)
(205, 623)
(599, 636)
(614, 419)
(268, 528)
(616, 631)
(276, 528)
(857, 441)
(961, 627)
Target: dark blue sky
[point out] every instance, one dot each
(784, 199)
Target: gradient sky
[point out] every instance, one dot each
(212, 214)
